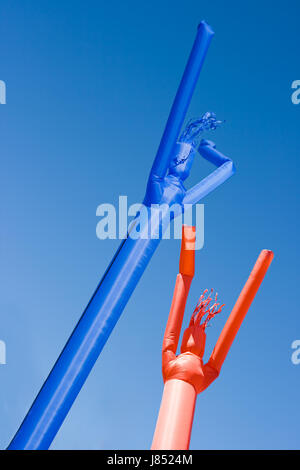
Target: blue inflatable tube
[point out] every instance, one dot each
(165, 186)
(84, 346)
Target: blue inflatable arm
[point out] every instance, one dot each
(226, 168)
(181, 102)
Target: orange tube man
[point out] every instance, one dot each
(185, 375)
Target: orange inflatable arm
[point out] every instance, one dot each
(181, 291)
(239, 311)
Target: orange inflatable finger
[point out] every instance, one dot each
(240, 309)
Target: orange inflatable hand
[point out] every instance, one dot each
(188, 366)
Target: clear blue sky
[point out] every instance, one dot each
(89, 88)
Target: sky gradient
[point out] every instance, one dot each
(89, 88)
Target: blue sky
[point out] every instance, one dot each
(89, 87)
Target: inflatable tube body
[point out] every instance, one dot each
(176, 415)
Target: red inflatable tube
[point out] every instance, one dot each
(185, 375)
